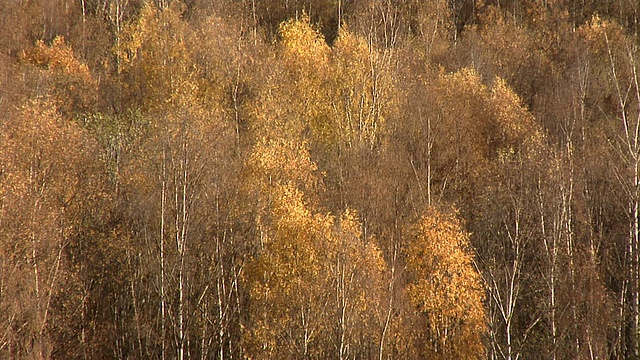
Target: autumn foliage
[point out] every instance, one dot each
(327, 179)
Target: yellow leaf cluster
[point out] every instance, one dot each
(515, 123)
(154, 53)
(487, 120)
(282, 161)
(309, 268)
(603, 35)
(286, 278)
(303, 45)
(446, 288)
(361, 91)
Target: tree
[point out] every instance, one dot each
(445, 288)
(285, 278)
(66, 80)
(47, 170)
(357, 270)
(155, 59)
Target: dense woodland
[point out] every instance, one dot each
(319, 179)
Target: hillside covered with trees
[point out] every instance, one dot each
(319, 179)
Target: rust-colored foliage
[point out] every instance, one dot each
(67, 80)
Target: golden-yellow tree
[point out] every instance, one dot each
(445, 288)
(357, 272)
(287, 280)
(313, 278)
(315, 284)
(155, 59)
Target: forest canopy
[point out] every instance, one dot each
(326, 179)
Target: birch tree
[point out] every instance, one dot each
(445, 288)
